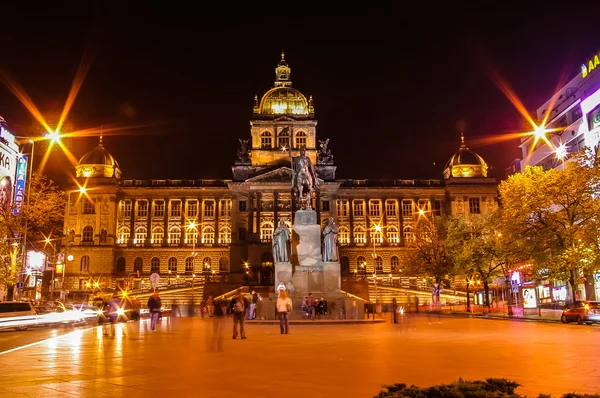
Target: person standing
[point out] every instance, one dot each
(284, 306)
(154, 305)
(238, 309)
(252, 313)
(312, 305)
(395, 309)
(280, 287)
(210, 305)
(113, 307)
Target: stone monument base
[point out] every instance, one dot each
(283, 273)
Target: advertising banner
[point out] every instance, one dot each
(8, 163)
(529, 298)
(21, 179)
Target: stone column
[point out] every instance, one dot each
(149, 223)
(165, 241)
(132, 222)
(183, 230)
(276, 209)
(250, 209)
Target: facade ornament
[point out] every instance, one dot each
(280, 243)
(330, 241)
(304, 176)
(324, 155)
(242, 154)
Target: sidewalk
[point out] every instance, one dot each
(518, 314)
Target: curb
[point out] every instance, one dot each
(318, 322)
(498, 318)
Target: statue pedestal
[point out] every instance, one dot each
(332, 278)
(283, 273)
(306, 239)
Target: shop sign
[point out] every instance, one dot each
(20, 184)
(588, 67)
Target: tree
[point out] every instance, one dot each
(41, 216)
(555, 214)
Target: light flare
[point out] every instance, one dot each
(82, 70)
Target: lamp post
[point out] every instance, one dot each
(24, 251)
(377, 228)
(51, 287)
(192, 225)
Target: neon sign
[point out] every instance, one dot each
(20, 184)
(591, 65)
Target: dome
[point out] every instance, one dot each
(465, 163)
(283, 101)
(98, 163)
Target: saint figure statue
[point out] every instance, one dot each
(304, 178)
(330, 240)
(281, 238)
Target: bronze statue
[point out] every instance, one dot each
(242, 153)
(304, 176)
(324, 155)
(281, 238)
(330, 241)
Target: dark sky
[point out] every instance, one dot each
(389, 84)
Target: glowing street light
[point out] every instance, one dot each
(53, 136)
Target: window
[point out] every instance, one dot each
(266, 232)
(374, 208)
(124, 234)
(225, 208)
(85, 264)
(191, 236)
(225, 236)
(126, 209)
(300, 139)
(325, 205)
(242, 205)
(342, 208)
(209, 208)
(242, 233)
(155, 265)
(283, 140)
(173, 264)
(376, 236)
(437, 208)
(158, 235)
(361, 262)
(343, 236)
(409, 236)
(208, 235)
(176, 209)
(359, 236)
(138, 265)
(423, 206)
(142, 208)
(189, 265)
(392, 235)
(140, 236)
(87, 234)
(192, 209)
(88, 207)
(206, 264)
(474, 206)
(174, 236)
(266, 140)
(358, 208)
(395, 261)
(379, 263)
(407, 208)
(391, 208)
(159, 209)
(121, 265)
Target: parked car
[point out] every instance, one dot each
(587, 312)
(17, 314)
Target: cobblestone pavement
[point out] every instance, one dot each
(192, 357)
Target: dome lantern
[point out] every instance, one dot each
(465, 163)
(98, 163)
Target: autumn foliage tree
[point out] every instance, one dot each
(554, 214)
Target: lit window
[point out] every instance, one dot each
(88, 207)
(474, 206)
(379, 263)
(407, 208)
(192, 209)
(344, 236)
(409, 236)
(208, 236)
(140, 236)
(206, 264)
(158, 235)
(359, 236)
(159, 209)
(209, 208)
(300, 139)
(173, 264)
(191, 236)
(266, 140)
(176, 209)
(85, 264)
(155, 265)
(392, 236)
(126, 208)
(391, 208)
(189, 265)
(124, 234)
(376, 236)
(225, 208)
(87, 234)
(174, 236)
(142, 208)
(361, 263)
(225, 236)
(374, 208)
(283, 140)
(342, 208)
(266, 232)
(395, 261)
(359, 208)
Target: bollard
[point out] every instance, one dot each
(540, 311)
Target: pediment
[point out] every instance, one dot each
(284, 119)
(282, 174)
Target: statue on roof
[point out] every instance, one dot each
(324, 155)
(243, 156)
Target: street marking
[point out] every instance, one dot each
(44, 341)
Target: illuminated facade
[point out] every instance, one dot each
(181, 228)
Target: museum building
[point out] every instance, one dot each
(124, 230)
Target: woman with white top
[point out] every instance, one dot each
(284, 306)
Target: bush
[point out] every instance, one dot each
(490, 388)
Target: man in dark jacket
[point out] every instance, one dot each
(238, 307)
(154, 305)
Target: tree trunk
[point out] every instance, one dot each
(509, 296)
(486, 288)
(572, 282)
(468, 299)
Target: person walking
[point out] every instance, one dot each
(210, 305)
(395, 309)
(154, 305)
(284, 307)
(252, 314)
(238, 309)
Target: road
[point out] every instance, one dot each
(10, 339)
(313, 360)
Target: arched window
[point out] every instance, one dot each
(85, 264)
(223, 264)
(266, 140)
(208, 235)
(206, 264)
(379, 263)
(138, 265)
(225, 236)
(361, 263)
(174, 235)
(158, 235)
(376, 236)
(124, 234)
(140, 236)
(409, 236)
(300, 139)
(155, 265)
(283, 140)
(191, 236)
(395, 261)
(189, 265)
(392, 235)
(121, 265)
(88, 234)
(173, 264)
(266, 232)
(344, 236)
(359, 236)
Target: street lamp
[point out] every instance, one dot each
(377, 228)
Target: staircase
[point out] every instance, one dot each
(386, 294)
(183, 295)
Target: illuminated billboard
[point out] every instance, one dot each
(8, 167)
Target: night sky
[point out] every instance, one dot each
(389, 85)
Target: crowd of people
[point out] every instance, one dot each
(314, 307)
